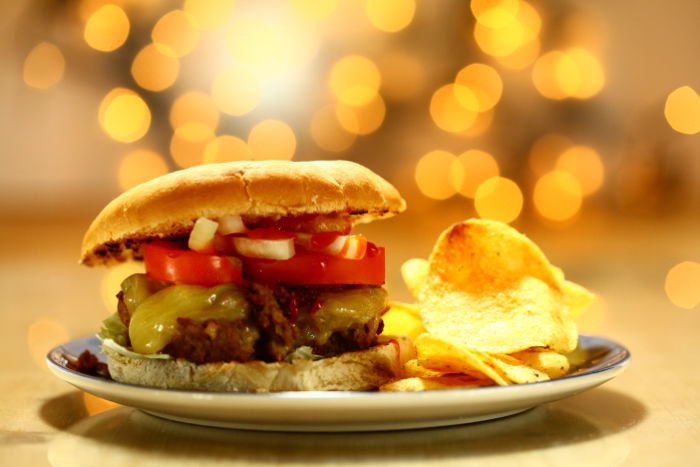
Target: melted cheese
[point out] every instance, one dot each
(154, 321)
(347, 310)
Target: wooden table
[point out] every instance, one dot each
(650, 415)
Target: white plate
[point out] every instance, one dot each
(601, 360)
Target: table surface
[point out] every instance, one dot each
(649, 415)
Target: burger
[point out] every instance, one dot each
(254, 280)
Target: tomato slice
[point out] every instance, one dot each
(173, 262)
(307, 268)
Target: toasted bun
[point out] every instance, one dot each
(351, 371)
(169, 205)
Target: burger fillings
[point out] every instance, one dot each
(268, 282)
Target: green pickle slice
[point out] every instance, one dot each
(154, 321)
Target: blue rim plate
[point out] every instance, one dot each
(600, 360)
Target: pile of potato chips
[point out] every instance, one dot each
(491, 310)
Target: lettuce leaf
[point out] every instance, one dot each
(109, 343)
(114, 329)
(304, 353)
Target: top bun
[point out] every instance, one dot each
(168, 206)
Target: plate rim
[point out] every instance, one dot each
(612, 365)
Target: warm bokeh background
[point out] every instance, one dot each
(576, 121)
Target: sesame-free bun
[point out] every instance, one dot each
(352, 371)
(168, 206)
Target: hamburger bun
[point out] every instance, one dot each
(352, 371)
(169, 205)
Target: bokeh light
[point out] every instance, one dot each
(434, 175)
(194, 106)
(575, 73)
(471, 169)
(107, 28)
(494, 13)
(481, 124)
(449, 113)
(189, 143)
(195, 131)
(502, 28)
(328, 133)
(390, 15)
(124, 115)
(209, 15)
(154, 70)
(567, 75)
(530, 20)
(590, 78)
(175, 33)
(355, 80)
(682, 110)
(547, 69)
(500, 199)
(483, 81)
(557, 196)
(226, 148)
(236, 91)
(682, 284)
(272, 139)
(140, 166)
(44, 66)
(43, 335)
(499, 42)
(363, 119)
(586, 165)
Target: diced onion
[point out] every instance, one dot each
(231, 224)
(202, 235)
(337, 245)
(354, 247)
(345, 246)
(262, 248)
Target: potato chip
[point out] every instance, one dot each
(402, 319)
(439, 354)
(414, 384)
(434, 383)
(577, 297)
(515, 371)
(491, 289)
(413, 368)
(415, 274)
(408, 308)
(547, 361)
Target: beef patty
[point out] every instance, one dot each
(330, 320)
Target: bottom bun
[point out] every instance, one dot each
(352, 371)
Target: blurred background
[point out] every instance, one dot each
(575, 121)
